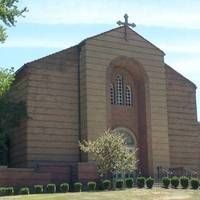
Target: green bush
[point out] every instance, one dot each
(51, 188)
(129, 182)
(38, 189)
(106, 185)
(119, 184)
(6, 191)
(2, 191)
(64, 187)
(174, 182)
(10, 191)
(149, 182)
(194, 183)
(165, 182)
(91, 186)
(24, 190)
(78, 187)
(184, 181)
(140, 182)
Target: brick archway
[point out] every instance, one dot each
(132, 117)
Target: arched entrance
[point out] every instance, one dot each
(127, 88)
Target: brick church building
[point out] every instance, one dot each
(116, 80)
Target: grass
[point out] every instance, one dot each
(128, 194)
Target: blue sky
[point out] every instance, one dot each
(49, 26)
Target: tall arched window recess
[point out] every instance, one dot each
(119, 87)
(128, 95)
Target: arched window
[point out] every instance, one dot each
(128, 96)
(112, 94)
(119, 85)
(128, 136)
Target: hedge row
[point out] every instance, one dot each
(37, 189)
(183, 181)
(141, 182)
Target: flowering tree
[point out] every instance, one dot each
(110, 153)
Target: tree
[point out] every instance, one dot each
(11, 113)
(6, 79)
(110, 153)
(8, 14)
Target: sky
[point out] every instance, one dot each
(53, 25)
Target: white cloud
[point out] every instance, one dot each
(149, 13)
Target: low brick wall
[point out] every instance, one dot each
(28, 177)
(58, 173)
(87, 172)
(22, 177)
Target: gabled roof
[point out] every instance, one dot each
(85, 40)
(122, 27)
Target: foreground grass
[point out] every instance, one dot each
(128, 194)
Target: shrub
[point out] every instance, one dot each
(165, 182)
(24, 190)
(174, 182)
(64, 187)
(38, 189)
(194, 183)
(140, 182)
(91, 186)
(6, 191)
(184, 181)
(9, 191)
(51, 188)
(106, 184)
(149, 182)
(78, 187)
(2, 191)
(119, 184)
(129, 182)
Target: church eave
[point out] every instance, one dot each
(186, 79)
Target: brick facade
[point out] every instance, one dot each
(68, 99)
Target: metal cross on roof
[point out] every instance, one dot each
(126, 24)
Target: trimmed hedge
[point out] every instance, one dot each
(149, 182)
(24, 190)
(6, 191)
(51, 188)
(106, 185)
(166, 182)
(64, 187)
(119, 184)
(78, 187)
(194, 183)
(129, 182)
(38, 189)
(175, 182)
(91, 186)
(140, 182)
(184, 181)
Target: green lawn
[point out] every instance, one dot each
(128, 194)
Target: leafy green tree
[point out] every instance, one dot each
(6, 79)
(110, 153)
(11, 112)
(8, 14)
